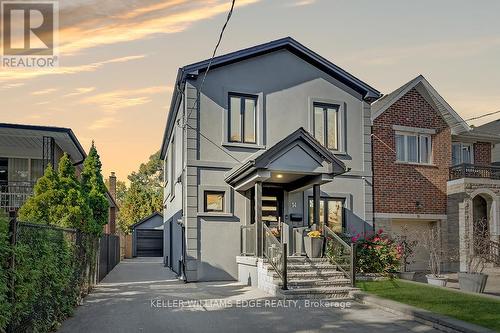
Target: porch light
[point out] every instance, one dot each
(279, 175)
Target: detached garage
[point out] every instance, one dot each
(147, 237)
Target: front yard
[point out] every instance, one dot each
(478, 310)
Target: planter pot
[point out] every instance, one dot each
(407, 276)
(473, 282)
(439, 281)
(313, 246)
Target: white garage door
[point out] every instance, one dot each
(414, 230)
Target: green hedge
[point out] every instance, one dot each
(52, 272)
(5, 251)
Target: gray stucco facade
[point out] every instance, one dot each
(286, 87)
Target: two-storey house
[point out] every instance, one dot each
(273, 135)
(431, 168)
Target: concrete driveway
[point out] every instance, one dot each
(140, 295)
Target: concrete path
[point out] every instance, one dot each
(140, 295)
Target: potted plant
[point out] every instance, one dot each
(406, 247)
(477, 249)
(313, 243)
(431, 240)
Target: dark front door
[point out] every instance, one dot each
(272, 206)
(149, 243)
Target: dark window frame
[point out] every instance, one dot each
(242, 97)
(325, 217)
(325, 107)
(206, 193)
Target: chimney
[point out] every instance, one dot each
(112, 185)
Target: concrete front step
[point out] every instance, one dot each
(314, 266)
(295, 284)
(309, 274)
(337, 293)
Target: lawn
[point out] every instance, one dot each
(473, 309)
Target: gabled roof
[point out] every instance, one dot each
(192, 71)
(261, 159)
(457, 124)
(147, 218)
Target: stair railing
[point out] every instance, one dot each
(276, 253)
(341, 254)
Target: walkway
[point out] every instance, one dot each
(140, 295)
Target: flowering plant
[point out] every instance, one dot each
(314, 234)
(275, 232)
(378, 254)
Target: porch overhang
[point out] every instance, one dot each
(296, 163)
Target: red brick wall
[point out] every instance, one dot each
(397, 187)
(482, 153)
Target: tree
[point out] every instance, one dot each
(94, 190)
(57, 199)
(144, 195)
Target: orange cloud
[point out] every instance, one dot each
(81, 30)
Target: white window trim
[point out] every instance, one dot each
(405, 144)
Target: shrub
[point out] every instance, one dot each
(378, 254)
(4, 256)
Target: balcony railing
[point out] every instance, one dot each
(474, 171)
(14, 194)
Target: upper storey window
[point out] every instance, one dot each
(413, 148)
(242, 118)
(326, 124)
(461, 153)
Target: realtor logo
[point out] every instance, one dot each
(29, 33)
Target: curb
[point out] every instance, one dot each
(437, 321)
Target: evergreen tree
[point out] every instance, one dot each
(42, 205)
(95, 191)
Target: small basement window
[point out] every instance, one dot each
(214, 201)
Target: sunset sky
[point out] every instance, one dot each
(118, 58)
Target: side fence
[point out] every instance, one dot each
(109, 254)
(48, 271)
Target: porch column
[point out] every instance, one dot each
(316, 197)
(258, 219)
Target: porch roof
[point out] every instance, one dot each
(298, 162)
(19, 140)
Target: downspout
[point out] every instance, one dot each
(184, 177)
(373, 181)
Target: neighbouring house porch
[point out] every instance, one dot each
(25, 152)
(473, 202)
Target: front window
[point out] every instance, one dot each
(461, 153)
(413, 148)
(214, 201)
(326, 120)
(242, 118)
(331, 210)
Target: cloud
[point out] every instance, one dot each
(301, 3)
(88, 24)
(391, 56)
(80, 91)
(21, 74)
(44, 91)
(103, 123)
(11, 85)
(115, 100)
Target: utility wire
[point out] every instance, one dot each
(213, 56)
(482, 116)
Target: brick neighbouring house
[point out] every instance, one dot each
(430, 167)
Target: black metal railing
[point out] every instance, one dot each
(276, 253)
(341, 254)
(247, 240)
(14, 194)
(474, 171)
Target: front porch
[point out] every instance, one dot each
(473, 202)
(275, 181)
